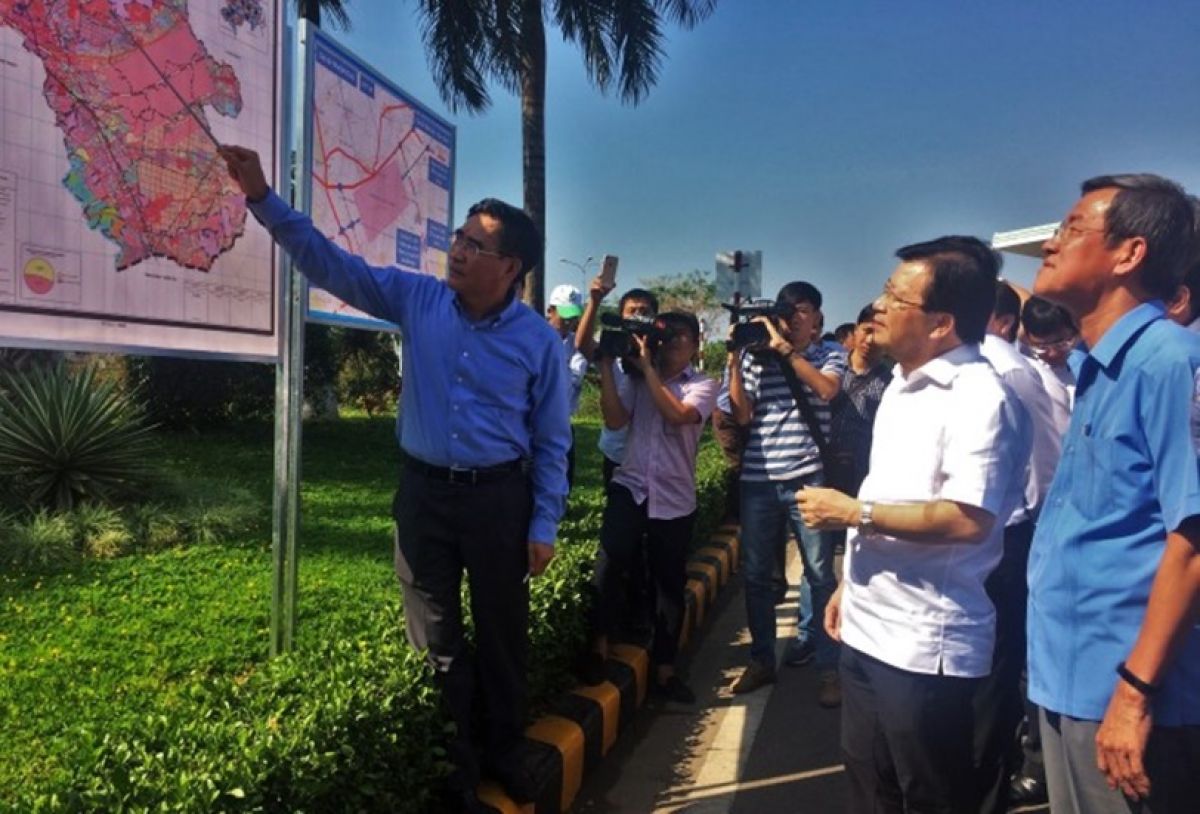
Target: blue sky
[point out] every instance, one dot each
(829, 134)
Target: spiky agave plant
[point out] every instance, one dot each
(70, 437)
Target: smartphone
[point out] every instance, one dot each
(608, 271)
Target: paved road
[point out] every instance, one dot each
(774, 750)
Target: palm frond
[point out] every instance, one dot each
(457, 47)
(588, 23)
(685, 13)
(637, 38)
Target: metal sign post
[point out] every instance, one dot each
(289, 372)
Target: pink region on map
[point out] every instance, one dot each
(380, 199)
(144, 172)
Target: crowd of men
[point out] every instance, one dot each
(1014, 480)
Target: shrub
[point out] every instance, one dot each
(66, 438)
(369, 372)
(198, 393)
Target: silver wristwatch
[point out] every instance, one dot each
(866, 521)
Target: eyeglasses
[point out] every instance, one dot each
(1070, 231)
(889, 298)
(470, 246)
(1041, 349)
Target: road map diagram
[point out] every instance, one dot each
(381, 173)
(119, 226)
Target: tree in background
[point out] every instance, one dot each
(468, 42)
(311, 10)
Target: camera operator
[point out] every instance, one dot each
(783, 456)
(653, 492)
(636, 302)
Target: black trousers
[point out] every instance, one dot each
(999, 702)
(906, 739)
(666, 545)
(443, 529)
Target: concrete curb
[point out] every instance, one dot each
(582, 725)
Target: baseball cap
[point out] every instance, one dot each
(567, 301)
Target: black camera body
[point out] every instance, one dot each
(616, 340)
(749, 335)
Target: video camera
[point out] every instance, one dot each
(747, 334)
(616, 340)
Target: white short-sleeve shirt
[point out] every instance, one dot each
(950, 430)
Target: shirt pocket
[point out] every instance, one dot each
(1092, 494)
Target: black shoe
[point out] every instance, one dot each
(516, 779)
(673, 689)
(1025, 790)
(798, 652)
(755, 675)
(592, 670)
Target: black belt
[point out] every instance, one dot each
(469, 477)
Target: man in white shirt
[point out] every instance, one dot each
(915, 622)
(563, 309)
(999, 705)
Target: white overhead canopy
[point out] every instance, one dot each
(1027, 241)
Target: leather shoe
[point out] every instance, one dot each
(754, 676)
(1025, 790)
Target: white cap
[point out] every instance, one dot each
(567, 301)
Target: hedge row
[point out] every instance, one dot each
(350, 725)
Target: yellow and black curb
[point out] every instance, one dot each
(583, 724)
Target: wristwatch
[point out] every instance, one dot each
(866, 522)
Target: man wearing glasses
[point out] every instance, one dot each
(484, 442)
(947, 469)
(1114, 572)
(781, 457)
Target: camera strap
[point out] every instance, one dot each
(806, 408)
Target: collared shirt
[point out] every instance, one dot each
(660, 459)
(950, 430)
(854, 409)
(577, 366)
(1016, 372)
(1194, 327)
(477, 394)
(1128, 477)
(780, 445)
(1060, 385)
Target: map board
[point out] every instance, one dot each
(381, 172)
(119, 226)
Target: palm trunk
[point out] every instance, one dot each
(533, 135)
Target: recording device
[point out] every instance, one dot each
(608, 271)
(616, 340)
(749, 335)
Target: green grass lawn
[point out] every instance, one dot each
(111, 641)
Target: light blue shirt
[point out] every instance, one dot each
(1128, 476)
(476, 394)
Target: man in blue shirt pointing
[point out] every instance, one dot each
(484, 442)
(1114, 571)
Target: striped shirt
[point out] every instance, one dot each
(780, 446)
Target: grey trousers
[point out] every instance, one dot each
(1077, 787)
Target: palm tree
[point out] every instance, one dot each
(468, 42)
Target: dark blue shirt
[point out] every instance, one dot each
(477, 393)
(1128, 476)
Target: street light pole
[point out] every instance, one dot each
(582, 268)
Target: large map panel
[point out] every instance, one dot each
(119, 227)
(381, 173)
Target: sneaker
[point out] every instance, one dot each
(799, 652)
(673, 689)
(829, 692)
(754, 676)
